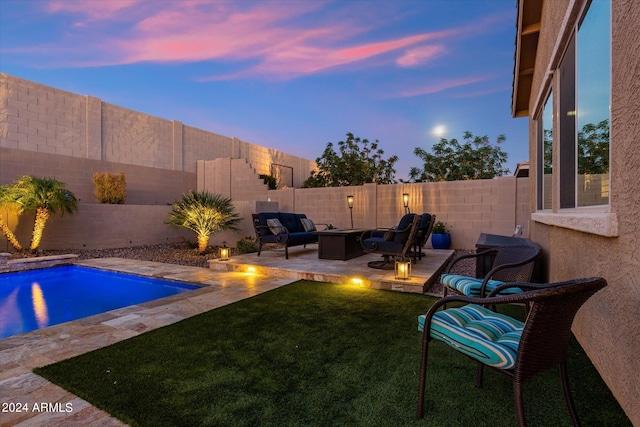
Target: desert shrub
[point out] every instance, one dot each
(247, 245)
(110, 187)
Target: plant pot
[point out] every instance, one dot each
(441, 241)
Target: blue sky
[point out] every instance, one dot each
(291, 75)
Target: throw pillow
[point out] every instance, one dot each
(307, 224)
(276, 227)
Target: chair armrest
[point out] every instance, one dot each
(524, 286)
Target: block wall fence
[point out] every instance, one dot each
(47, 132)
(46, 120)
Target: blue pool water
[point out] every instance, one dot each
(37, 299)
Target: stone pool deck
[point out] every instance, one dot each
(21, 353)
(223, 283)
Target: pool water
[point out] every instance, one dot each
(37, 299)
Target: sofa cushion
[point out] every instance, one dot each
(307, 224)
(262, 222)
(478, 332)
(291, 221)
(276, 227)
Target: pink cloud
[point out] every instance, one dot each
(277, 37)
(94, 10)
(420, 55)
(440, 86)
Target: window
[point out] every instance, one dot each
(579, 107)
(584, 110)
(593, 105)
(545, 153)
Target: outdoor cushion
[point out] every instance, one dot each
(405, 222)
(290, 221)
(470, 286)
(275, 226)
(380, 244)
(478, 332)
(307, 224)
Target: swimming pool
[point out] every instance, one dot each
(37, 299)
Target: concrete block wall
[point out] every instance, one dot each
(467, 207)
(39, 118)
(145, 185)
(97, 226)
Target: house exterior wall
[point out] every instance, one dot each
(602, 241)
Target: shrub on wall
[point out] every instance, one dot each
(269, 180)
(110, 187)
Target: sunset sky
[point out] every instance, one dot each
(291, 75)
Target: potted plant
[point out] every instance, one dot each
(440, 237)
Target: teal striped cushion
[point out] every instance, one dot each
(487, 336)
(470, 286)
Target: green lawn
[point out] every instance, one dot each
(314, 353)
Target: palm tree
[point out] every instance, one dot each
(46, 196)
(203, 213)
(6, 202)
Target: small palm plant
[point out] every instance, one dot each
(6, 202)
(205, 214)
(47, 197)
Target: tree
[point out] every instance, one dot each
(593, 148)
(476, 158)
(47, 197)
(6, 202)
(205, 214)
(357, 162)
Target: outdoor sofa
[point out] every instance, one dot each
(283, 229)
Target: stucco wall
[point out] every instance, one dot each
(39, 118)
(608, 326)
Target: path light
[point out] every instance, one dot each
(350, 203)
(405, 202)
(224, 252)
(403, 269)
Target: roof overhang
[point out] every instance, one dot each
(527, 33)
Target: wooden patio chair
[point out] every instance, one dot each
(520, 350)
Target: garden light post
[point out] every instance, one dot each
(350, 203)
(405, 202)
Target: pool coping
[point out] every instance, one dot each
(20, 354)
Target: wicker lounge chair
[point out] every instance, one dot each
(520, 350)
(511, 264)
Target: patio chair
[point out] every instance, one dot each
(520, 350)
(425, 227)
(390, 242)
(511, 264)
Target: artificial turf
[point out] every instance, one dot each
(314, 353)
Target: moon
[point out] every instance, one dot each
(439, 130)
